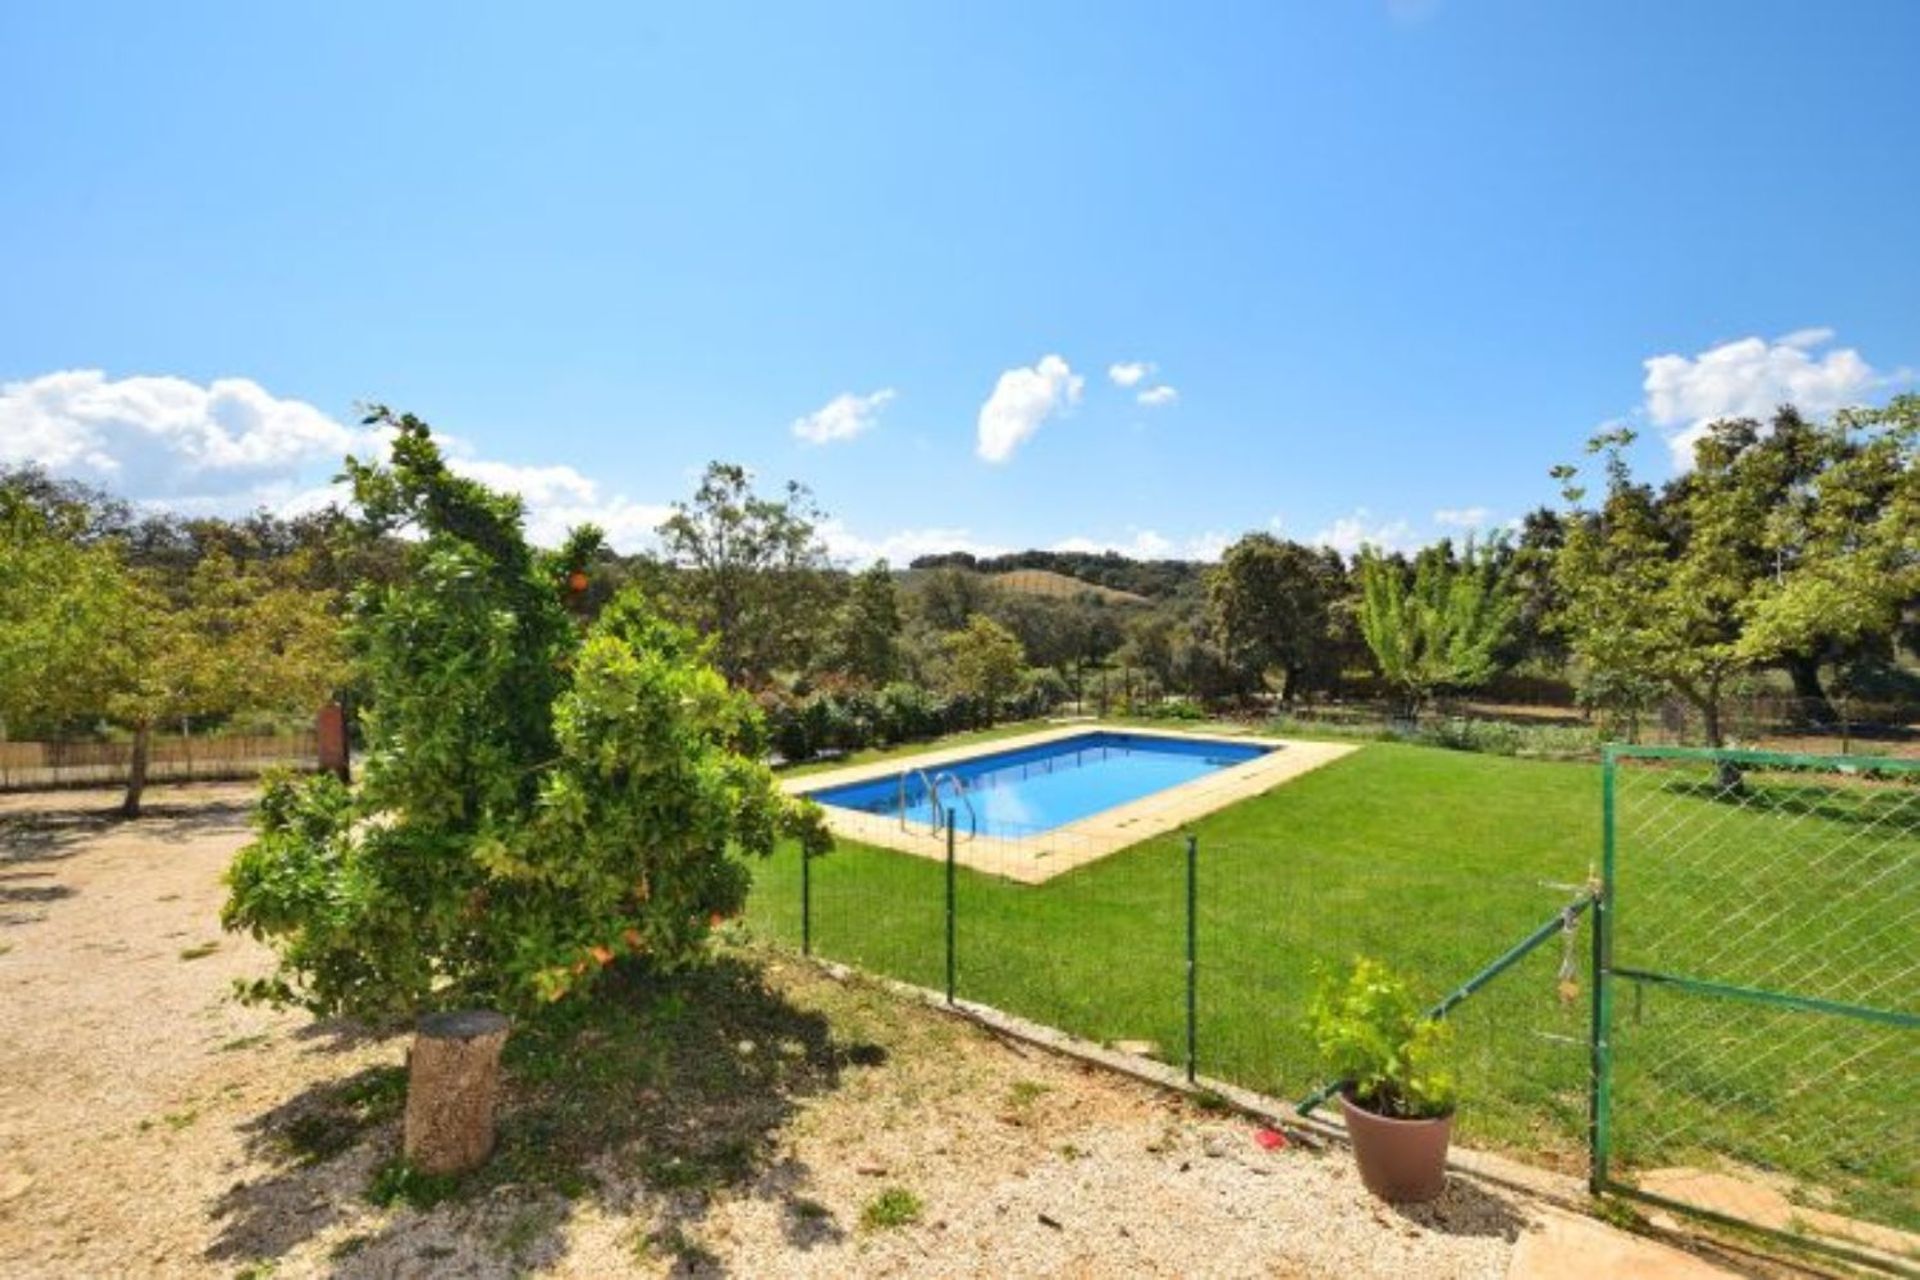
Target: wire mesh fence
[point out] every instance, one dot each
(1098, 943)
(1718, 1012)
(1762, 1022)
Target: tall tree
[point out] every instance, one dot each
(540, 798)
(947, 597)
(1781, 544)
(83, 634)
(63, 595)
(751, 568)
(866, 630)
(1270, 601)
(986, 662)
(1439, 625)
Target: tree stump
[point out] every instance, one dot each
(453, 1080)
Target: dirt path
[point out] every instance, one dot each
(753, 1123)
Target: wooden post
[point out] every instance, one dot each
(330, 729)
(453, 1081)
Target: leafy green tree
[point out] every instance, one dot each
(1840, 539)
(63, 597)
(866, 630)
(1781, 545)
(987, 662)
(1438, 626)
(540, 798)
(947, 597)
(1271, 602)
(751, 569)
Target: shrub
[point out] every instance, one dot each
(1380, 1044)
(539, 798)
(894, 1207)
(904, 712)
(1042, 689)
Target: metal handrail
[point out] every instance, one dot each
(959, 789)
(933, 799)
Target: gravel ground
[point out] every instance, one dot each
(150, 1126)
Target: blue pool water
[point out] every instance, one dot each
(1035, 789)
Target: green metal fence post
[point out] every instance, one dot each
(1600, 1100)
(950, 879)
(806, 901)
(1193, 972)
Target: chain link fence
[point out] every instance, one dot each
(1717, 1013)
(1761, 1000)
(1205, 951)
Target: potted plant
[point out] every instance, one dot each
(1396, 1093)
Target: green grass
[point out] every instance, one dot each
(894, 1207)
(1436, 861)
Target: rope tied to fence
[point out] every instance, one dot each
(1567, 980)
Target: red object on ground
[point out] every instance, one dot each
(1271, 1139)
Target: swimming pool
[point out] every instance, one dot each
(1034, 789)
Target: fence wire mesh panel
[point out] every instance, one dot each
(877, 909)
(1097, 950)
(1763, 1016)
(1440, 896)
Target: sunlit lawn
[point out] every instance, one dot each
(1437, 861)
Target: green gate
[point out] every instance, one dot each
(1756, 1002)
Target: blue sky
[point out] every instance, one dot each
(1390, 260)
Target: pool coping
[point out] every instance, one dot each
(1037, 858)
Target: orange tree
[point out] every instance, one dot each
(539, 798)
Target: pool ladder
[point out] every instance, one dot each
(933, 785)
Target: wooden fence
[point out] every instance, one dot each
(26, 766)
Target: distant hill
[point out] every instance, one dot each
(1045, 582)
(1152, 579)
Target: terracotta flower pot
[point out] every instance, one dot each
(1400, 1160)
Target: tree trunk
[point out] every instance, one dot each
(137, 771)
(1804, 671)
(453, 1081)
(1726, 773)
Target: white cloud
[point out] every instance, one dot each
(902, 545)
(1463, 517)
(1749, 378)
(1149, 544)
(1145, 544)
(231, 446)
(1130, 373)
(1154, 397)
(163, 437)
(1023, 399)
(844, 417)
(558, 498)
(1351, 532)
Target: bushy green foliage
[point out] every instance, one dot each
(1788, 543)
(1271, 601)
(1171, 709)
(1374, 1036)
(84, 632)
(1440, 626)
(986, 662)
(540, 798)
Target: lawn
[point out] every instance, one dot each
(1435, 861)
